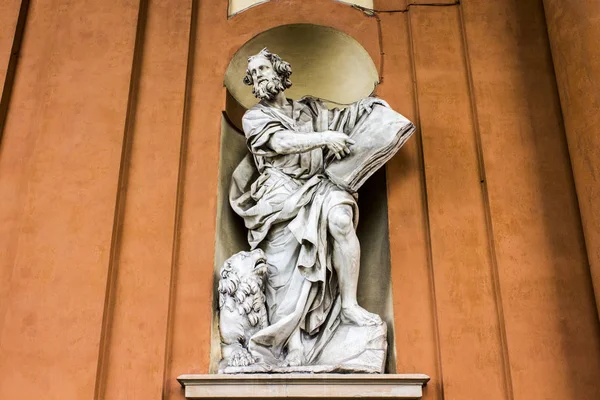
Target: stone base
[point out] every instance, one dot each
(356, 349)
(306, 369)
(303, 386)
(351, 349)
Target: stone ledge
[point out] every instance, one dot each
(303, 386)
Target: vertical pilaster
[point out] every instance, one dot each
(413, 290)
(472, 352)
(137, 315)
(574, 29)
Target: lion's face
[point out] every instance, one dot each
(242, 279)
(247, 266)
(247, 262)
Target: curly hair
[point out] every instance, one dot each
(281, 67)
(246, 292)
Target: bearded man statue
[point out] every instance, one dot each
(304, 223)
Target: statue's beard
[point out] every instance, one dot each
(267, 90)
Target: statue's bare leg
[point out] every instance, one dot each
(346, 261)
(295, 351)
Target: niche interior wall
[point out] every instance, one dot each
(111, 121)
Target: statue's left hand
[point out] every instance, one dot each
(366, 105)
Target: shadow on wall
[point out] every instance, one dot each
(320, 68)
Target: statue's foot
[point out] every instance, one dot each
(294, 358)
(356, 315)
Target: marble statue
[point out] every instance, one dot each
(301, 223)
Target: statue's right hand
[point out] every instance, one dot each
(338, 143)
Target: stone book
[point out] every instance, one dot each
(378, 136)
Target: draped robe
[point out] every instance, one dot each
(285, 200)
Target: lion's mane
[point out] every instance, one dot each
(247, 293)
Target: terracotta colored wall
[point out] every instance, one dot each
(542, 269)
(133, 359)
(574, 30)
(59, 175)
(108, 181)
(12, 22)
(9, 13)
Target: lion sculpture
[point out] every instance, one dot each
(242, 310)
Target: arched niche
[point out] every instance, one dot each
(320, 70)
(238, 6)
(326, 63)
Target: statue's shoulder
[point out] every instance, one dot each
(256, 111)
(258, 107)
(257, 116)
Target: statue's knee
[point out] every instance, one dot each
(340, 221)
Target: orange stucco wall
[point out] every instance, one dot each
(574, 30)
(108, 188)
(9, 14)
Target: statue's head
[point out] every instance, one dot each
(268, 74)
